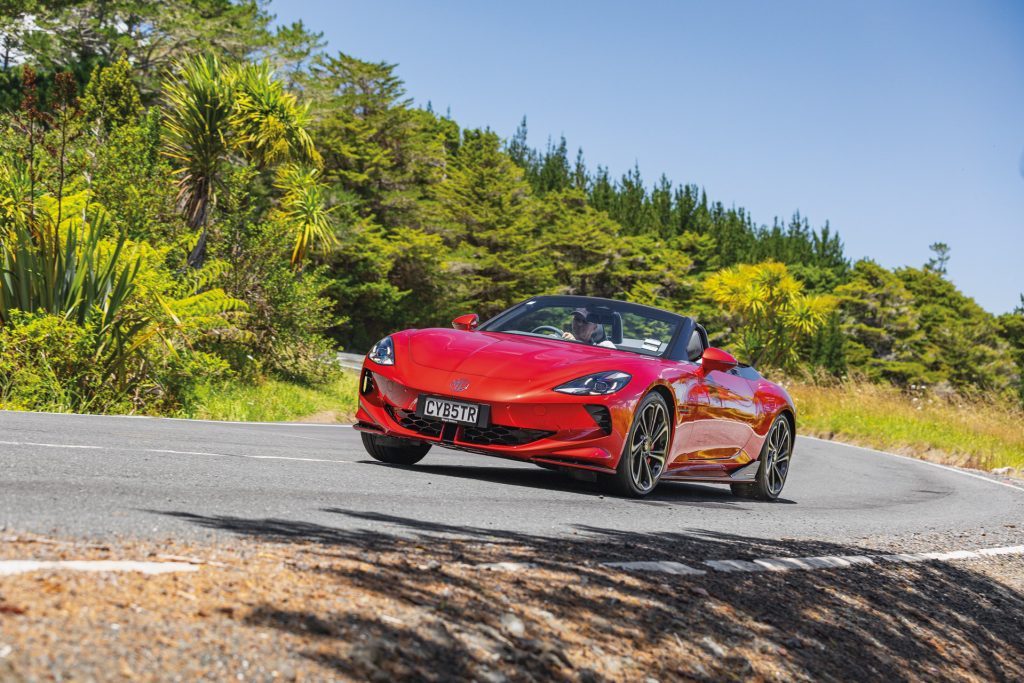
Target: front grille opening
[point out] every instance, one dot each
(498, 435)
(495, 435)
(366, 383)
(602, 416)
(427, 426)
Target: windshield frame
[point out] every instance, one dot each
(682, 323)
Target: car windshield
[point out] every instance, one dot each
(597, 322)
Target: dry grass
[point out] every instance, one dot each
(957, 432)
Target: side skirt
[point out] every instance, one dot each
(743, 475)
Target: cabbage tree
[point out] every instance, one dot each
(217, 114)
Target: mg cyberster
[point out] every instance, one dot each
(631, 393)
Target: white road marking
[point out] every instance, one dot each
(734, 566)
(506, 566)
(12, 567)
(923, 462)
(165, 451)
(1011, 550)
(783, 564)
(664, 566)
(181, 419)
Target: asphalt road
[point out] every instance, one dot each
(100, 477)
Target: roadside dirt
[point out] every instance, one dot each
(328, 417)
(284, 600)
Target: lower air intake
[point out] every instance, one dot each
(427, 426)
(497, 435)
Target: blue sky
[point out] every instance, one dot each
(900, 123)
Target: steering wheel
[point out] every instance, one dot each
(546, 329)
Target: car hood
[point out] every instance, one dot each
(508, 356)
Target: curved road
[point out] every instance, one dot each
(100, 476)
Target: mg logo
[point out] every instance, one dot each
(460, 384)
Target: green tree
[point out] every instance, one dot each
(768, 312)
(963, 348)
(879, 317)
(486, 214)
(215, 112)
(111, 98)
(302, 210)
(376, 146)
(383, 280)
(150, 34)
(1011, 329)
(937, 263)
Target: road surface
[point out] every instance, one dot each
(96, 477)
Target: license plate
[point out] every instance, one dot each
(451, 411)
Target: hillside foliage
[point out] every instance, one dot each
(168, 221)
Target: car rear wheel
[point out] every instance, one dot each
(776, 454)
(394, 451)
(643, 458)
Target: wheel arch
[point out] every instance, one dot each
(670, 401)
(791, 419)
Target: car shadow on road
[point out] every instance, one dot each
(558, 613)
(666, 494)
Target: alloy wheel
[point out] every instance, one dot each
(648, 446)
(779, 451)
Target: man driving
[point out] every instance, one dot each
(585, 331)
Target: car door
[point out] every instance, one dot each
(693, 399)
(733, 415)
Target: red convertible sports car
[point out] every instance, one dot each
(631, 393)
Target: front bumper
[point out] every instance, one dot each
(559, 430)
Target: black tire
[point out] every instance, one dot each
(776, 454)
(642, 462)
(394, 451)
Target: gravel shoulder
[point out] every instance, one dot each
(293, 601)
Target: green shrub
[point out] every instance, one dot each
(47, 363)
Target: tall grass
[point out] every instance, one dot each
(277, 401)
(978, 434)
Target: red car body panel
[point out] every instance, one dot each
(720, 419)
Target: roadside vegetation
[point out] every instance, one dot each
(179, 231)
(981, 433)
(275, 400)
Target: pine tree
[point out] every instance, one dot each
(486, 213)
(374, 144)
(878, 315)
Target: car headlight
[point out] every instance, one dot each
(598, 384)
(383, 352)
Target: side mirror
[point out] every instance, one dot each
(717, 359)
(466, 322)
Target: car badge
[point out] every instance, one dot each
(460, 384)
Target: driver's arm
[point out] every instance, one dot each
(569, 336)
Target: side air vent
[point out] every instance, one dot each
(366, 382)
(602, 416)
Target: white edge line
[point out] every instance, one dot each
(165, 451)
(178, 419)
(783, 564)
(911, 458)
(12, 567)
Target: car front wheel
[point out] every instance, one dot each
(643, 457)
(394, 451)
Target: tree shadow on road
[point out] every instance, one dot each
(533, 477)
(434, 610)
